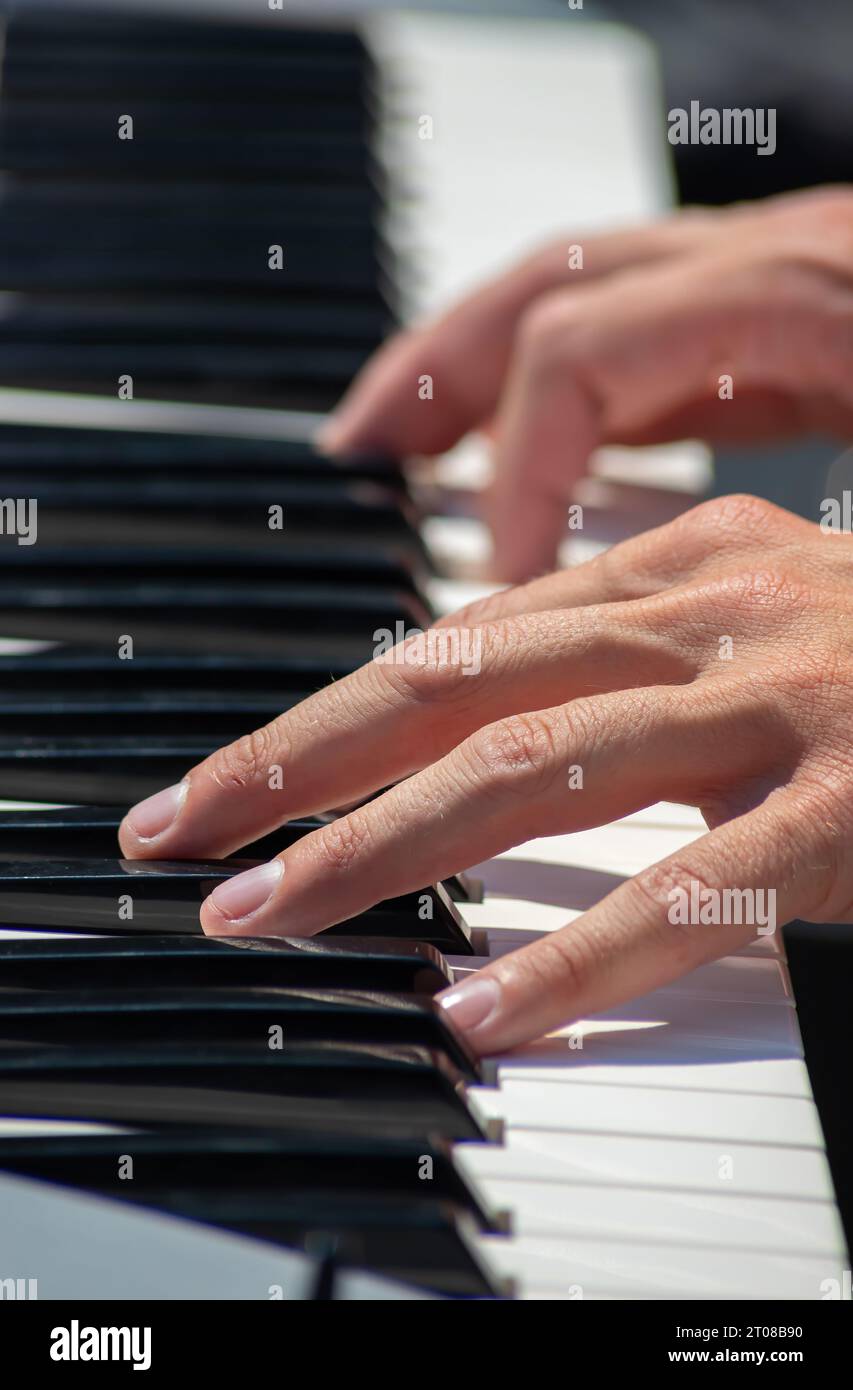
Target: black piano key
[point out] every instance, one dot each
(290, 205)
(131, 896)
(83, 28)
(74, 57)
(230, 508)
(229, 251)
(69, 669)
(211, 100)
(308, 273)
(154, 715)
(215, 515)
(317, 383)
(367, 1195)
(49, 963)
(358, 1090)
(332, 624)
(91, 832)
(232, 151)
(37, 139)
(227, 1016)
(311, 380)
(425, 1244)
(208, 1160)
(351, 207)
(322, 85)
(329, 564)
(77, 453)
(112, 769)
(89, 118)
(123, 255)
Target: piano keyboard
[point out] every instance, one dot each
(668, 1148)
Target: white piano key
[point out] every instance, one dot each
(737, 1025)
(655, 1162)
(13, 1127)
(643, 1059)
(686, 466)
(623, 849)
(511, 922)
(561, 1212)
(765, 947)
(472, 223)
(732, 979)
(741, 979)
(673, 1271)
(668, 815)
(460, 544)
(21, 934)
(20, 406)
(721, 1116)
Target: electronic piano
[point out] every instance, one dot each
(154, 1143)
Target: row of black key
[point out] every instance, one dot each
(243, 141)
(290, 1090)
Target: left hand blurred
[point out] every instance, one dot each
(630, 349)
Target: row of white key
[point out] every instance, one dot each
(677, 1151)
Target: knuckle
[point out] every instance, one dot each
(778, 592)
(659, 888)
(341, 843)
(244, 763)
(548, 334)
(518, 754)
(479, 610)
(433, 666)
(737, 517)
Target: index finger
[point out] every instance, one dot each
(394, 716)
(430, 385)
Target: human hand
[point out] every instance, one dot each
(629, 349)
(619, 667)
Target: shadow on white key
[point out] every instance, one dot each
(559, 885)
(744, 979)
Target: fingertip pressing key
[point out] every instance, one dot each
(156, 814)
(472, 1004)
(240, 897)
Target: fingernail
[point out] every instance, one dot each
(242, 895)
(471, 1004)
(154, 815)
